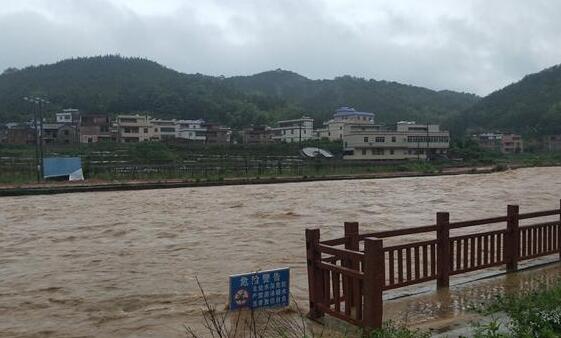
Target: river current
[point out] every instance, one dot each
(122, 264)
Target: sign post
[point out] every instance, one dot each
(261, 289)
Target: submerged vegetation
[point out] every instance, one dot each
(533, 314)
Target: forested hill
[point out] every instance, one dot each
(530, 106)
(114, 84)
(391, 101)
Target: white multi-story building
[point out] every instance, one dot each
(193, 130)
(334, 128)
(68, 116)
(408, 140)
(136, 128)
(297, 130)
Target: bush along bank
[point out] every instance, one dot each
(532, 314)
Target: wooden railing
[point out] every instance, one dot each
(347, 275)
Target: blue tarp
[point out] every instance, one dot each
(61, 166)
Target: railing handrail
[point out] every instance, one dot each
(343, 253)
(430, 228)
(543, 213)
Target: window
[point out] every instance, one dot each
(145, 130)
(380, 139)
(391, 151)
(377, 151)
(366, 139)
(156, 130)
(363, 151)
(393, 139)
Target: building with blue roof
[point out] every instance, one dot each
(335, 127)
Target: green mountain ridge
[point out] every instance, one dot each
(531, 106)
(114, 84)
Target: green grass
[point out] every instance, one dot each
(533, 314)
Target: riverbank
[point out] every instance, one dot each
(100, 185)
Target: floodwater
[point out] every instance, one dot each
(122, 264)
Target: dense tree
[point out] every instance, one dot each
(530, 106)
(113, 84)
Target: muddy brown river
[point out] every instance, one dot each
(122, 264)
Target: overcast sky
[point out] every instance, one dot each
(474, 46)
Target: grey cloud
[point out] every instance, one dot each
(475, 46)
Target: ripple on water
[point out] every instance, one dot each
(126, 265)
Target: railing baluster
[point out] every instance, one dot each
(391, 262)
(472, 252)
(458, 255)
(485, 249)
(417, 262)
(550, 238)
(492, 251)
(540, 240)
(327, 287)
(500, 256)
(534, 241)
(433, 260)
(425, 261)
(524, 244)
(466, 253)
(479, 249)
(408, 263)
(400, 266)
(336, 290)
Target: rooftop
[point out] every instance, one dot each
(348, 111)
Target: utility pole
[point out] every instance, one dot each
(41, 102)
(37, 105)
(428, 149)
(31, 102)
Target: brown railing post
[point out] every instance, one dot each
(559, 231)
(443, 250)
(374, 279)
(512, 240)
(315, 276)
(351, 236)
(351, 243)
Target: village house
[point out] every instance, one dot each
(216, 134)
(192, 130)
(552, 143)
(257, 135)
(136, 128)
(297, 130)
(505, 143)
(408, 140)
(59, 133)
(71, 116)
(95, 128)
(334, 128)
(21, 134)
(168, 128)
